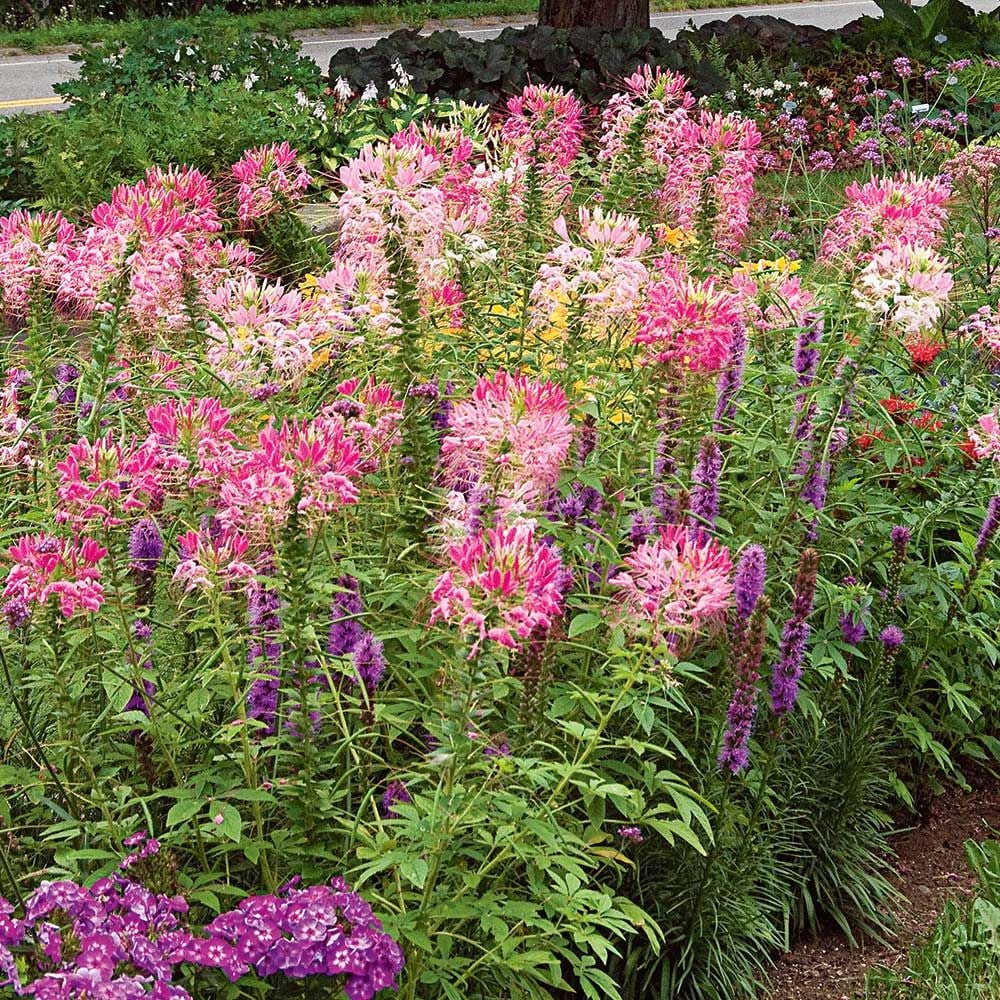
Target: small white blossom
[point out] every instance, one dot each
(370, 92)
(403, 78)
(250, 81)
(342, 90)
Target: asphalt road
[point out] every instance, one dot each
(26, 81)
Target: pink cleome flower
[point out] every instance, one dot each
(600, 268)
(102, 480)
(267, 177)
(213, 558)
(47, 566)
(513, 435)
(33, 253)
(688, 322)
(680, 581)
(545, 124)
(884, 212)
(315, 463)
(193, 438)
(504, 586)
(985, 436)
(713, 156)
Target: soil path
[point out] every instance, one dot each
(930, 869)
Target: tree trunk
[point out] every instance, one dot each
(594, 13)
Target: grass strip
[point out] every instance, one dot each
(72, 32)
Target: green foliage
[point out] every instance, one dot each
(960, 959)
(74, 159)
(591, 62)
(195, 54)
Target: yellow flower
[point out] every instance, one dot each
(782, 265)
(678, 238)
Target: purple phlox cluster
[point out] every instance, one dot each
(264, 654)
(66, 376)
(348, 637)
(705, 488)
(497, 747)
(730, 382)
(631, 833)
(115, 940)
(16, 613)
(788, 667)
(323, 930)
(141, 847)
(395, 792)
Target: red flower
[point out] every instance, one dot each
(898, 408)
(923, 352)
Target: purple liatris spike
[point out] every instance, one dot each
(852, 629)
(805, 360)
(140, 700)
(730, 382)
(643, 525)
(788, 667)
(264, 621)
(734, 754)
(442, 413)
(369, 661)
(145, 546)
(989, 528)
(395, 792)
(892, 637)
(345, 628)
(900, 538)
(748, 581)
(705, 492)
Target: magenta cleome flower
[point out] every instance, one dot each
(504, 585)
(681, 581)
(47, 566)
(514, 434)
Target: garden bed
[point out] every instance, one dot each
(931, 869)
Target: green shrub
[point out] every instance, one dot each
(73, 160)
(591, 62)
(196, 54)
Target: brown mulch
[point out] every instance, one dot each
(930, 869)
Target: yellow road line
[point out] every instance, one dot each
(31, 102)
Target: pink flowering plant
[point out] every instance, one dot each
(548, 591)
